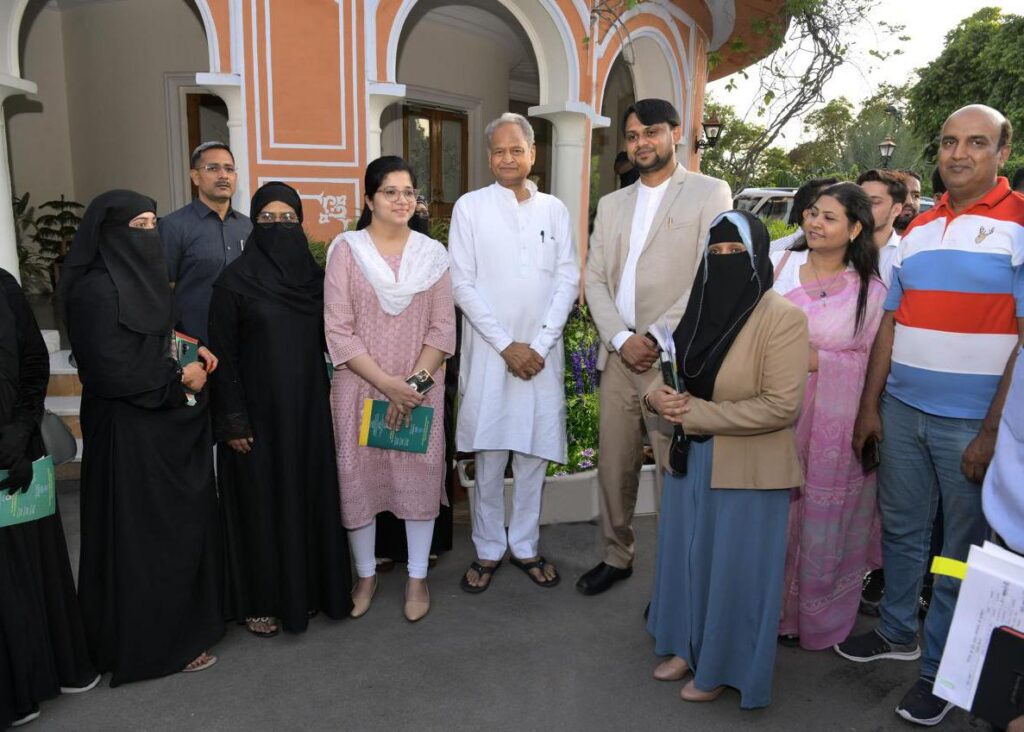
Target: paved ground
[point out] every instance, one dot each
(517, 657)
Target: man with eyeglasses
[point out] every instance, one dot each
(203, 237)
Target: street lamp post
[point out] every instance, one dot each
(886, 148)
(712, 130)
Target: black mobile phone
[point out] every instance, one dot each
(421, 381)
(870, 456)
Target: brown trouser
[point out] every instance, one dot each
(621, 456)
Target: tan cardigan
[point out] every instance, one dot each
(758, 394)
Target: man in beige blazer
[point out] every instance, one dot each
(647, 243)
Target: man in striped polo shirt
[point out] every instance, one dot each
(943, 357)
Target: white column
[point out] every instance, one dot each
(570, 148)
(9, 86)
(381, 96)
(229, 88)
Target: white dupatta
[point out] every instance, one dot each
(424, 262)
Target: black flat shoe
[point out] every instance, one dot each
(601, 577)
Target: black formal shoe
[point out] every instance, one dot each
(601, 577)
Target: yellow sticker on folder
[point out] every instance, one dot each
(949, 567)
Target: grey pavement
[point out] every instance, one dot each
(517, 657)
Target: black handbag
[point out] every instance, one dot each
(60, 443)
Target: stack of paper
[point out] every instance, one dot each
(992, 595)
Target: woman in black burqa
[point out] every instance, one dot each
(150, 574)
(42, 642)
(287, 555)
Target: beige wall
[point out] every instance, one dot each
(441, 57)
(102, 121)
(116, 54)
(37, 126)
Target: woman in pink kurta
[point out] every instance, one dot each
(388, 312)
(830, 520)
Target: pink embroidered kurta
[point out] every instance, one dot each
(372, 480)
(830, 519)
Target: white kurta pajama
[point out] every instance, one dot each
(515, 275)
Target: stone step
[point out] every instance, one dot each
(52, 340)
(63, 376)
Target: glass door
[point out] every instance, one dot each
(435, 144)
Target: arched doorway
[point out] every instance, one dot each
(439, 125)
(606, 143)
(102, 115)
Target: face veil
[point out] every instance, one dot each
(725, 292)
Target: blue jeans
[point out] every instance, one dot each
(920, 461)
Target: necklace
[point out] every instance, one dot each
(823, 289)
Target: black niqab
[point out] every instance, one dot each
(725, 292)
(276, 263)
(134, 258)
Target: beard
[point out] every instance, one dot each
(903, 220)
(655, 165)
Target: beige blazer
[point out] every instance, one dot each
(668, 261)
(758, 394)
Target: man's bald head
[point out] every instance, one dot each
(974, 145)
(981, 112)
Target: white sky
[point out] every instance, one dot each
(926, 21)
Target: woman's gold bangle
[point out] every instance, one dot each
(647, 403)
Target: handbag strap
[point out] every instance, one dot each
(782, 263)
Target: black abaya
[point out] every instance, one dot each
(150, 572)
(286, 549)
(42, 642)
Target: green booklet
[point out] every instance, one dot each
(186, 349)
(374, 431)
(39, 501)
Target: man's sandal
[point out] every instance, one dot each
(264, 627)
(482, 571)
(538, 563)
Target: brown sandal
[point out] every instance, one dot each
(201, 662)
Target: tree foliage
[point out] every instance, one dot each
(727, 159)
(792, 79)
(981, 63)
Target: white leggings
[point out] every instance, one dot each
(418, 535)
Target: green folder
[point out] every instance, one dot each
(39, 501)
(374, 431)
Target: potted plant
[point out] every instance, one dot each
(55, 230)
(36, 253)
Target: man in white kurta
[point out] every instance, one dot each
(515, 275)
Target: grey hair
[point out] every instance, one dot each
(510, 118)
(193, 159)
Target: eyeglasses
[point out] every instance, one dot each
(286, 219)
(393, 194)
(216, 168)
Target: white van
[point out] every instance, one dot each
(765, 203)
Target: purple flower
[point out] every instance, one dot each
(584, 464)
(588, 452)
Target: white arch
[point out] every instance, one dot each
(11, 15)
(550, 37)
(212, 39)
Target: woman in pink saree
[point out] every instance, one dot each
(832, 275)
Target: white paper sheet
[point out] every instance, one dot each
(992, 595)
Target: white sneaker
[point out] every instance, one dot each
(81, 689)
(26, 719)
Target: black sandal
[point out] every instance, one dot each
(539, 563)
(482, 571)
